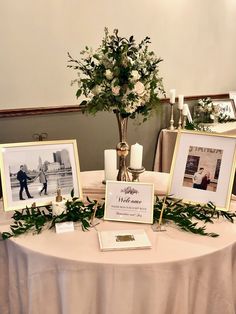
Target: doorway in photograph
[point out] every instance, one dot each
(202, 168)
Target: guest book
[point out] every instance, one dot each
(123, 240)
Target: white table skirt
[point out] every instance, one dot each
(67, 273)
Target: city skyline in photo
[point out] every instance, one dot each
(33, 161)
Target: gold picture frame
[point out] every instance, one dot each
(203, 168)
(32, 172)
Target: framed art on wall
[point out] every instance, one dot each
(203, 168)
(32, 172)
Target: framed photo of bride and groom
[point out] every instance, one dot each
(203, 168)
(33, 172)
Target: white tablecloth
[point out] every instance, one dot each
(165, 150)
(94, 188)
(67, 273)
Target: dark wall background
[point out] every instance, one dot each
(94, 134)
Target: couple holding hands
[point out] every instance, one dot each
(23, 178)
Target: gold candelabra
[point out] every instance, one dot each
(171, 127)
(180, 119)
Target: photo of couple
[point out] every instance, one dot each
(201, 179)
(38, 175)
(23, 179)
(35, 171)
(202, 168)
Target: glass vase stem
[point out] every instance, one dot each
(122, 148)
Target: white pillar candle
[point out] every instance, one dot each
(110, 164)
(136, 156)
(185, 109)
(172, 96)
(181, 102)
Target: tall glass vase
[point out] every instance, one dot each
(122, 147)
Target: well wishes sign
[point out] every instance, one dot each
(129, 201)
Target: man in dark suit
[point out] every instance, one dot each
(22, 178)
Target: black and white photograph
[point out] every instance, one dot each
(202, 168)
(203, 172)
(34, 172)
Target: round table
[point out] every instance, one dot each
(67, 273)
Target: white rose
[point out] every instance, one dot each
(96, 90)
(115, 90)
(129, 109)
(212, 116)
(139, 88)
(109, 74)
(135, 75)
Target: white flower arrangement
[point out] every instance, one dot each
(120, 75)
(206, 107)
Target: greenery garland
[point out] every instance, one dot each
(184, 215)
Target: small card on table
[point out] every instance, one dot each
(129, 201)
(67, 226)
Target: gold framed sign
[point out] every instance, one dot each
(129, 201)
(203, 168)
(32, 172)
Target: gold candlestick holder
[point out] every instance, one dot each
(184, 121)
(94, 221)
(135, 173)
(158, 227)
(122, 151)
(180, 119)
(122, 147)
(171, 127)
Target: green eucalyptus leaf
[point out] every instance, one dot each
(78, 93)
(186, 216)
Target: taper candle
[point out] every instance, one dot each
(172, 96)
(181, 102)
(185, 110)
